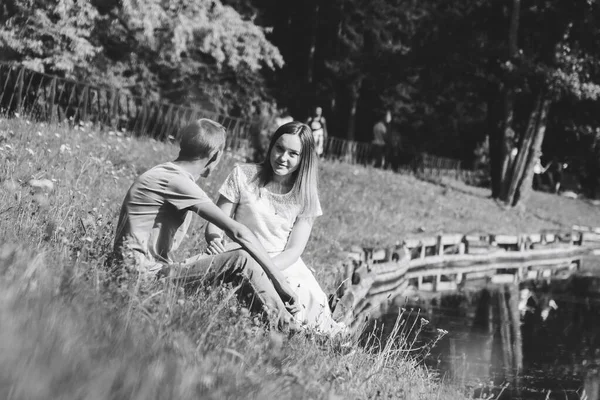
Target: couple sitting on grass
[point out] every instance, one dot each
(267, 210)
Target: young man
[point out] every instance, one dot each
(157, 211)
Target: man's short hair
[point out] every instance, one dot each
(201, 139)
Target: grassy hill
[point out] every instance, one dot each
(71, 332)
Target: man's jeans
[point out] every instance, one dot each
(238, 267)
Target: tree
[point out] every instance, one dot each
(184, 51)
(197, 52)
(559, 67)
(53, 36)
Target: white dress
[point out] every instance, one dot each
(271, 217)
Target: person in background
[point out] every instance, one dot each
(156, 214)
(318, 126)
(380, 140)
(538, 172)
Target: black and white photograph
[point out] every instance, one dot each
(310, 199)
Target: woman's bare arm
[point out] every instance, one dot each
(296, 243)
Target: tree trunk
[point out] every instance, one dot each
(312, 42)
(355, 89)
(525, 186)
(509, 98)
(520, 163)
(495, 139)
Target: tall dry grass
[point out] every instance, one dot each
(70, 331)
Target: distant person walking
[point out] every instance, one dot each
(318, 125)
(380, 140)
(538, 172)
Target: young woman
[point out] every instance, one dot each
(278, 200)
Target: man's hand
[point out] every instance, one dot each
(290, 299)
(215, 247)
(292, 305)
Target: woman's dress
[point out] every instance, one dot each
(271, 217)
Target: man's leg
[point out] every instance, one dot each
(236, 266)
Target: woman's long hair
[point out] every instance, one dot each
(306, 176)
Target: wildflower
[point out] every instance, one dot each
(244, 311)
(275, 342)
(17, 115)
(10, 185)
(30, 151)
(39, 133)
(442, 332)
(41, 185)
(41, 200)
(49, 151)
(57, 135)
(424, 321)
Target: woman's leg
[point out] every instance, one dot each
(314, 303)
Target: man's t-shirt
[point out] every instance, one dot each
(379, 133)
(154, 216)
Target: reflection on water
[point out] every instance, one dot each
(533, 340)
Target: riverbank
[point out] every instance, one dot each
(74, 333)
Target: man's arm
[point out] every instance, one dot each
(293, 250)
(242, 235)
(213, 234)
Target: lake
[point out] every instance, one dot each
(529, 340)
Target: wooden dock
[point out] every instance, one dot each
(443, 263)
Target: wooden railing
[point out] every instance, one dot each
(420, 163)
(50, 98)
(373, 277)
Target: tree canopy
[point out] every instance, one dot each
(465, 79)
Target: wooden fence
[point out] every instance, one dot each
(44, 97)
(422, 164)
(374, 277)
(50, 98)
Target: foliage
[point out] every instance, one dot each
(187, 52)
(443, 68)
(49, 36)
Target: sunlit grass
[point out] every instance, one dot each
(70, 331)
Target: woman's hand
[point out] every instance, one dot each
(215, 247)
